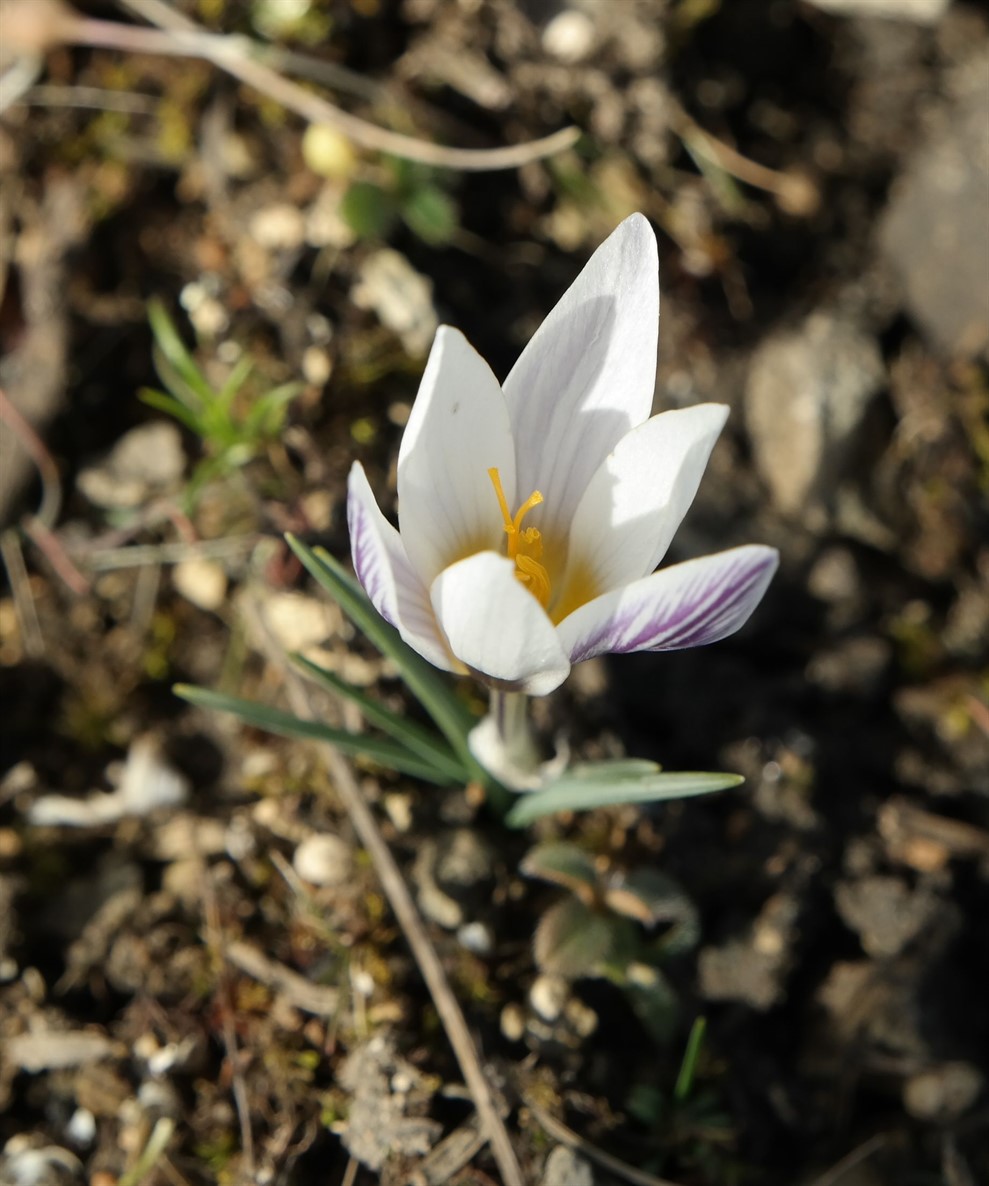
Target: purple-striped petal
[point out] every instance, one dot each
(687, 605)
(383, 568)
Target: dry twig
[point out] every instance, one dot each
(397, 892)
(566, 1136)
(177, 35)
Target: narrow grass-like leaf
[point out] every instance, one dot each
(235, 381)
(583, 793)
(453, 718)
(688, 1068)
(173, 353)
(382, 750)
(613, 768)
(419, 741)
(173, 407)
(265, 414)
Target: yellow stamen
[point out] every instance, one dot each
(525, 547)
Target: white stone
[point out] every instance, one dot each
(145, 461)
(570, 36)
(921, 12)
(280, 227)
(548, 996)
(402, 298)
(324, 860)
(201, 581)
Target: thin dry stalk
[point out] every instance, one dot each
(176, 34)
(34, 446)
(20, 586)
(566, 1136)
(404, 908)
(833, 1176)
(238, 1087)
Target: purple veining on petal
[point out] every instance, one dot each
(368, 559)
(731, 605)
(710, 607)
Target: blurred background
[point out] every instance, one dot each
(213, 298)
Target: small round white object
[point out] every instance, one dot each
(324, 860)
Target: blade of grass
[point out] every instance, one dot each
(452, 718)
(688, 1068)
(171, 407)
(174, 353)
(582, 793)
(262, 419)
(415, 739)
(387, 753)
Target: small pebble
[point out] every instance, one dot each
(280, 227)
(943, 1093)
(81, 1129)
(476, 937)
(564, 1167)
(569, 36)
(324, 860)
(513, 1022)
(548, 995)
(201, 581)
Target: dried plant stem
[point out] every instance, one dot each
(177, 35)
(834, 1175)
(397, 892)
(34, 446)
(566, 1136)
(238, 1087)
(20, 587)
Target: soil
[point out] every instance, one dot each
(200, 978)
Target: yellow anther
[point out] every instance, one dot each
(525, 547)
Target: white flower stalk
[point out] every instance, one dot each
(534, 515)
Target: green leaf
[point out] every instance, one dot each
(613, 768)
(453, 719)
(265, 416)
(573, 940)
(387, 753)
(563, 864)
(654, 1002)
(688, 1067)
(174, 363)
(650, 897)
(583, 792)
(431, 214)
(171, 407)
(415, 739)
(235, 381)
(368, 210)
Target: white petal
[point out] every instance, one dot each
(588, 375)
(390, 581)
(458, 429)
(687, 605)
(496, 627)
(635, 501)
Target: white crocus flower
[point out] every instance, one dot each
(533, 515)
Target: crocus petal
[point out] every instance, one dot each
(687, 605)
(458, 430)
(390, 581)
(636, 499)
(589, 373)
(496, 627)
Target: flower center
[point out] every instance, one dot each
(525, 547)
